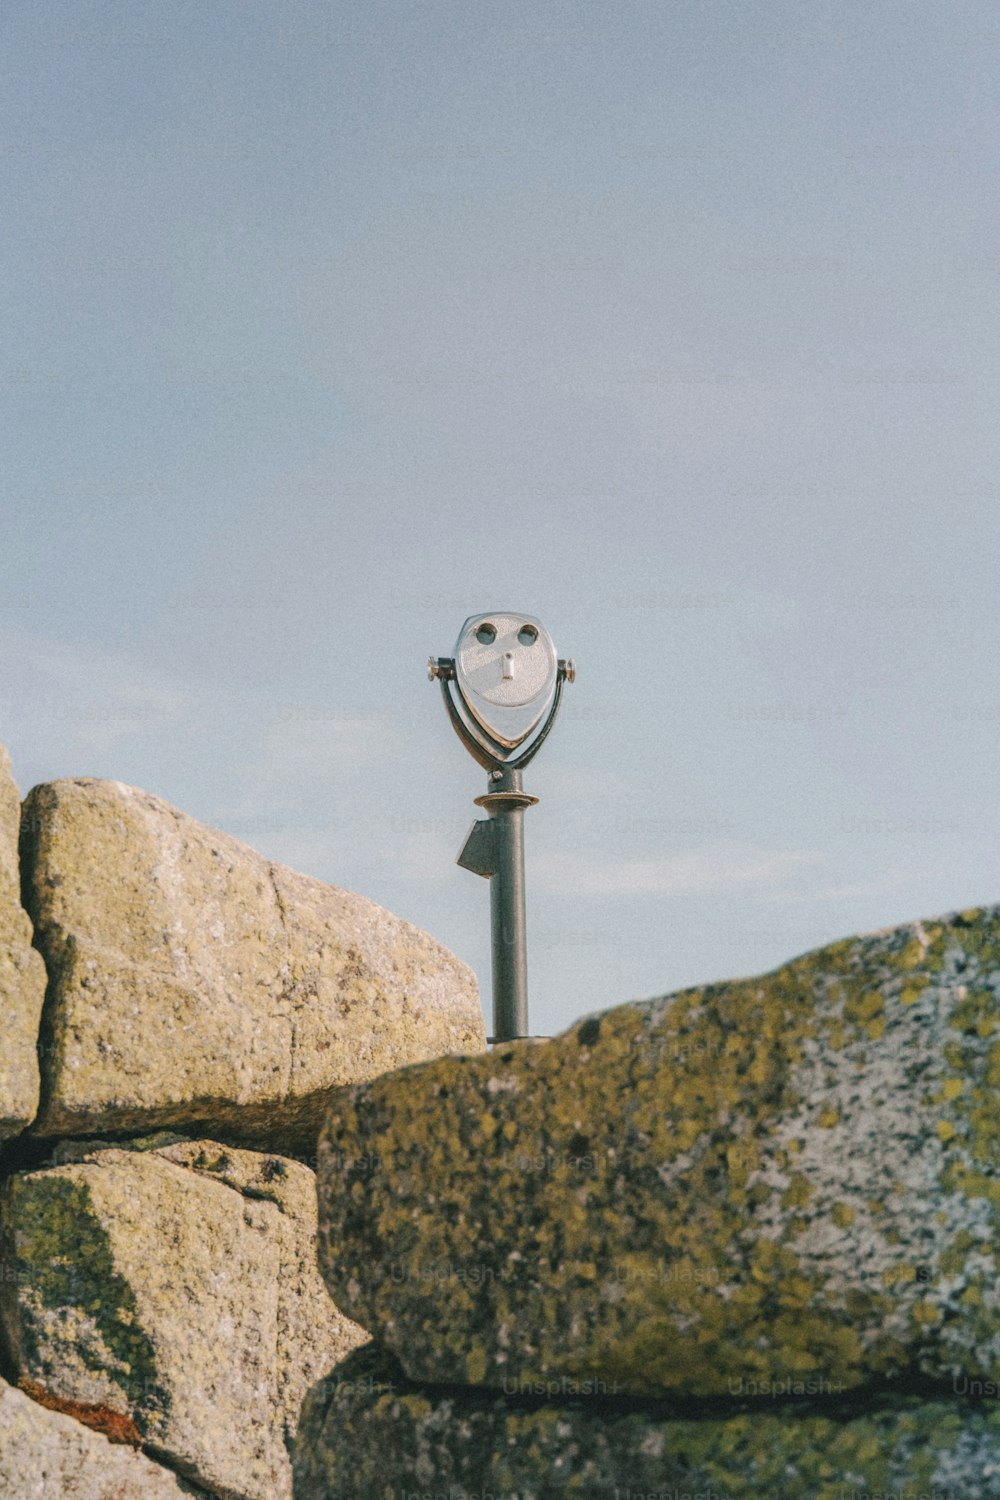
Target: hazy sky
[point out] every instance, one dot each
(674, 324)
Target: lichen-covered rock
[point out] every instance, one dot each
(194, 982)
(22, 976)
(366, 1433)
(45, 1455)
(174, 1282)
(785, 1177)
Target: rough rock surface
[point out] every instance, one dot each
(177, 1285)
(366, 1432)
(785, 1177)
(22, 976)
(193, 982)
(45, 1455)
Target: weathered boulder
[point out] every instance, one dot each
(366, 1431)
(46, 1455)
(22, 976)
(785, 1177)
(176, 1285)
(194, 982)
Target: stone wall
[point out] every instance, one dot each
(274, 1225)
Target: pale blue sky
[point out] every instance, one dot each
(674, 324)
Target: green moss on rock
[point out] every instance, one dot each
(368, 1434)
(747, 1180)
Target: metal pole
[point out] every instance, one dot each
(496, 849)
(510, 953)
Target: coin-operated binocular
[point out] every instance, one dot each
(502, 689)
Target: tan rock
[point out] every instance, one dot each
(22, 976)
(196, 982)
(46, 1455)
(175, 1285)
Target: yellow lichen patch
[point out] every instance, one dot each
(796, 1291)
(945, 1130)
(742, 1158)
(953, 1258)
(842, 1215)
(585, 1269)
(953, 1054)
(415, 1406)
(864, 1006)
(738, 1340)
(912, 955)
(828, 1117)
(863, 1305)
(798, 1192)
